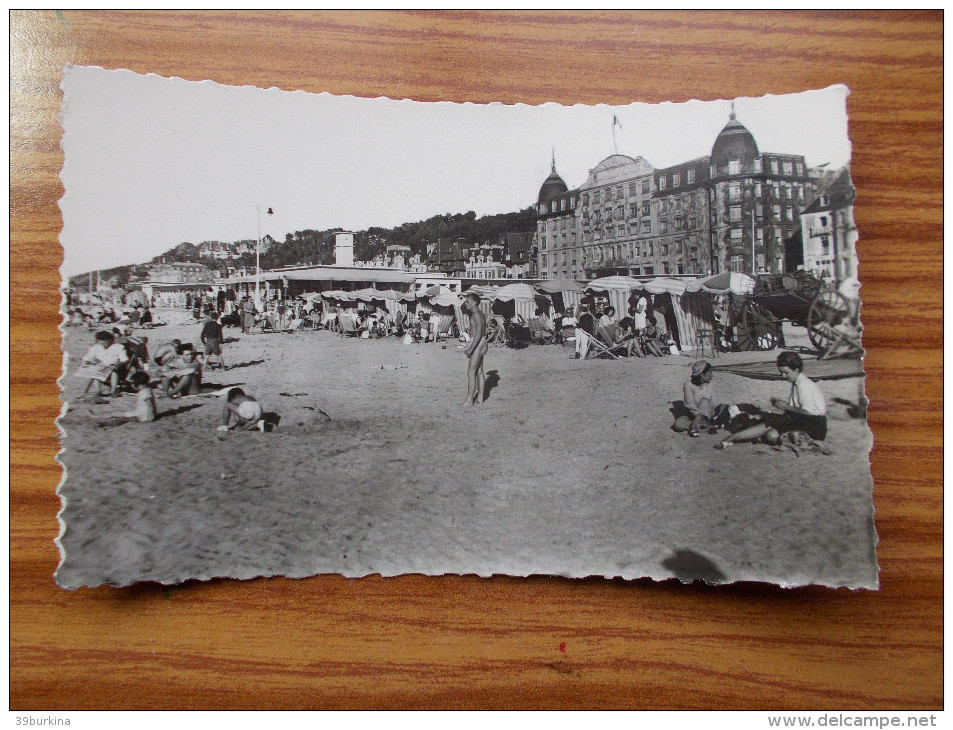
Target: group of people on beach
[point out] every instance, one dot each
(804, 411)
(119, 362)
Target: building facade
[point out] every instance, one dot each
(732, 210)
(828, 232)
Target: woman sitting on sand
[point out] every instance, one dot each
(804, 410)
(699, 401)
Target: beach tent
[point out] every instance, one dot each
(618, 289)
(134, 297)
(523, 298)
(565, 293)
(687, 307)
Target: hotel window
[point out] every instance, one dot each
(691, 223)
(663, 249)
(661, 182)
(595, 197)
(646, 226)
(552, 207)
(633, 188)
(646, 187)
(585, 199)
(680, 267)
(800, 168)
(757, 187)
(734, 167)
(690, 177)
(676, 179)
(619, 212)
(648, 270)
(646, 208)
(735, 234)
(618, 192)
(737, 263)
(774, 166)
(777, 212)
(608, 196)
(734, 213)
(633, 210)
(650, 251)
(734, 190)
(787, 167)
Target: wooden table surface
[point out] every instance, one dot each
(466, 642)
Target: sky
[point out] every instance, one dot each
(151, 162)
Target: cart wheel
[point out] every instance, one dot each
(832, 325)
(758, 328)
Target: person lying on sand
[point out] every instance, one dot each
(804, 410)
(246, 410)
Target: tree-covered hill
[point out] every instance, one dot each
(310, 247)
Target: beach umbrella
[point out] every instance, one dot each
(558, 286)
(664, 285)
(613, 283)
(515, 292)
(723, 283)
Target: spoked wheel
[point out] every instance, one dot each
(833, 325)
(758, 328)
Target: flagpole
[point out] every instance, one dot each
(257, 257)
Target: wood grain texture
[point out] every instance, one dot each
(465, 642)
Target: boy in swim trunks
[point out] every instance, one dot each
(247, 412)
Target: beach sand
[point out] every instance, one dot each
(569, 468)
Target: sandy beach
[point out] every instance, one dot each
(569, 468)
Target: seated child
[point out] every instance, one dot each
(144, 411)
(247, 412)
(804, 410)
(699, 401)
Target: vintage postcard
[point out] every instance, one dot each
(310, 334)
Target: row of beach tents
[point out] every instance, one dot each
(688, 306)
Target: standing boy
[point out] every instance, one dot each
(476, 380)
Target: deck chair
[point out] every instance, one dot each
(496, 331)
(295, 325)
(540, 334)
(348, 324)
(443, 327)
(602, 346)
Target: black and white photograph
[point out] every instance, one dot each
(312, 334)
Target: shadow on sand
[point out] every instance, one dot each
(492, 380)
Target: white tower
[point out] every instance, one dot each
(344, 248)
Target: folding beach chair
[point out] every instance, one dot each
(348, 324)
(295, 325)
(540, 334)
(599, 347)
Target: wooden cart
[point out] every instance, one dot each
(832, 318)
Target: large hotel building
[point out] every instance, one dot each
(730, 211)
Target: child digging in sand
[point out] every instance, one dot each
(246, 410)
